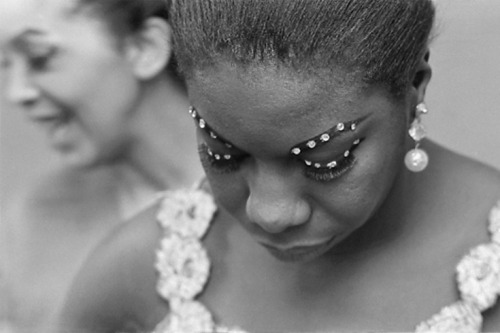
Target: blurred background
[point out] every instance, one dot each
(463, 97)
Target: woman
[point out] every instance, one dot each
(98, 78)
(334, 213)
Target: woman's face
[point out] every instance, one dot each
(301, 163)
(65, 72)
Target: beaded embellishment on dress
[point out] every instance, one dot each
(478, 279)
(182, 261)
(184, 267)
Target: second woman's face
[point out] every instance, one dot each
(65, 72)
(301, 163)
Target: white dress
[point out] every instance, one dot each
(184, 267)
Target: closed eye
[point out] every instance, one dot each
(333, 169)
(218, 162)
(40, 59)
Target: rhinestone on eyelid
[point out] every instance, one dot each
(317, 165)
(308, 163)
(217, 156)
(346, 153)
(311, 144)
(332, 164)
(325, 137)
(202, 123)
(213, 135)
(296, 151)
(209, 152)
(356, 142)
(227, 157)
(353, 126)
(340, 126)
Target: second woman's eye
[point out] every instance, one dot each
(40, 58)
(217, 162)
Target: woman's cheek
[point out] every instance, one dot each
(229, 191)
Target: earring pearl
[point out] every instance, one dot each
(416, 160)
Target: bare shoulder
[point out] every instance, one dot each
(115, 289)
(470, 184)
(472, 190)
(68, 188)
(62, 198)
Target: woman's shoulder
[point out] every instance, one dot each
(468, 192)
(63, 194)
(116, 287)
(465, 178)
(460, 192)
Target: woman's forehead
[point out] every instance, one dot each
(269, 92)
(16, 15)
(277, 107)
(19, 16)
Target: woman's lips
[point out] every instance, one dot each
(51, 122)
(299, 252)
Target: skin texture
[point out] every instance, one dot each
(113, 116)
(389, 239)
(379, 277)
(277, 202)
(66, 83)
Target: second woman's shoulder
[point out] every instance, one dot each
(116, 288)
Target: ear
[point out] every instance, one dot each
(422, 77)
(150, 49)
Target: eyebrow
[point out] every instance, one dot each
(28, 32)
(20, 40)
(324, 137)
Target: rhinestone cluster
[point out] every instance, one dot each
(333, 164)
(202, 124)
(322, 139)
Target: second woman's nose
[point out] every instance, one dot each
(19, 88)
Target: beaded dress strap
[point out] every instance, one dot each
(182, 262)
(478, 280)
(184, 267)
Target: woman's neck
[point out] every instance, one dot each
(164, 150)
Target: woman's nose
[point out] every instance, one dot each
(19, 88)
(275, 204)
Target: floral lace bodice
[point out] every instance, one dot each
(184, 267)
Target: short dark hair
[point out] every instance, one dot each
(125, 17)
(383, 40)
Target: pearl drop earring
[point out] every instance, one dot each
(416, 159)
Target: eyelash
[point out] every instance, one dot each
(223, 166)
(323, 174)
(220, 166)
(327, 174)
